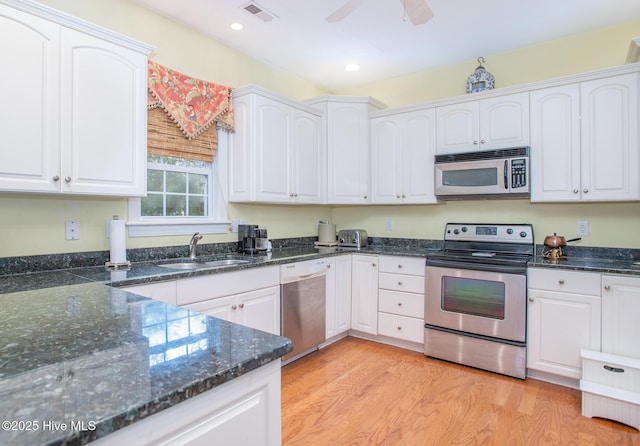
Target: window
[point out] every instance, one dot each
(183, 196)
(176, 187)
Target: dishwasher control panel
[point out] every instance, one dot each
(294, 272)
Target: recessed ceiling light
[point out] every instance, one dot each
(237, 26)
(352, 67)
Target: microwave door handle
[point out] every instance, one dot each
(506, 174)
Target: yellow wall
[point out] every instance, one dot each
(34, 224)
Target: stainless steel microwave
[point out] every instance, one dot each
(502, 173)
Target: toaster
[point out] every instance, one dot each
(352, 238)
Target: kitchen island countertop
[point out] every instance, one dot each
(79, 359)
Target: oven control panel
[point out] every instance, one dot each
(500, 233)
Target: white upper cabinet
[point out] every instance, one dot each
(403, 149)
(277, 154)
(584, 141)
(347, 132)
(492, 123)
(74, 113)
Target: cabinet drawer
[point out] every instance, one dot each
(611, 370)
(401, 282)
(401, 327)
(402, 265)
(403, 304)
(564, 281)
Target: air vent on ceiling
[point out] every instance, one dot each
(258, 11)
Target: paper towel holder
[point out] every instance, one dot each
(110, 265)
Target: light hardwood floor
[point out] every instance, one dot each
(358, 392)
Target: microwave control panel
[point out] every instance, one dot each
(518, 173)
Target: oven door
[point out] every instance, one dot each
(484, 303)
(479, 177)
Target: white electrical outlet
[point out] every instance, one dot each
(582, 228)
(72, 230)
(389, 224)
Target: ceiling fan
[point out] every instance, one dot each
(417, 11)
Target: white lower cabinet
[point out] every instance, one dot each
(338, 303)
(620, 313)
(244, 412)
(258, 309)
(563, 317)
(249, 297)
(364, 293)
(401, 298)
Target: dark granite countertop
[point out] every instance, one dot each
(586, 264)
(73, 349)
(79, 359)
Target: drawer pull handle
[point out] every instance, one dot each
(608, 368)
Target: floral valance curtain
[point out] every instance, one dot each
(191, 107)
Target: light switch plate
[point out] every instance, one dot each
(582, 229)
(72, 230)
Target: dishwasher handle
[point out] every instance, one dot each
(292, 279)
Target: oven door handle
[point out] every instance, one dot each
(508, 269)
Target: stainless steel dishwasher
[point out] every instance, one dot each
(303, 302)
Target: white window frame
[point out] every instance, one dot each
(216, 223)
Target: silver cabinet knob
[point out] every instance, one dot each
(399, 283)
(234, 307)
(365, 197)
(373, 264)
(475, 143)
(585, 191)
(56, 178)
(399, 328)
(400, 266)
(67, 179)
(482, 141)
(607, 287)
(399, 304)
(575, 191)
(561, 282)
(531, 299)
(398, 196)
(241, 305)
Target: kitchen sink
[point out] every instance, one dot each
(193, 265)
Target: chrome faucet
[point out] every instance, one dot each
(193, 244)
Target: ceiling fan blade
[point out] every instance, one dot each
(344, 10)
(418, 11)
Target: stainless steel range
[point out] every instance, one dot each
(475, 298)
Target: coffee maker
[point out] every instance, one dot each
(252, 239)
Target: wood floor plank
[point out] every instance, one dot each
(358, 392)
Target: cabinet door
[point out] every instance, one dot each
(559, 325)
(348, 154)
(260, 309)
(338, 304)
(620, 311)
(306, 159)
(386, 153)
(30, 112)
(241, 169)
(225, 308)
(458, 127)
(610, 159)
(272, 141)
(504, 122)
(555, 144)
(419, 143)
(104, 118)
(364, 294)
